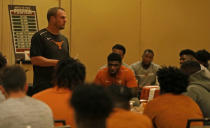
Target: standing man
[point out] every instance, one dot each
(48, 46)
(145, 70)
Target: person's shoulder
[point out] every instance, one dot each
(155, 66)
(40, 33)
(38, 103)
(125, 69)
(104, 66)
(103, 69)
(135, 63)
(4, 103)
(43, 93)
(63, 36)
(135, 66)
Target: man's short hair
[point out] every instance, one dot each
(149, 51)
(119, 47)
(91, 102)
(13, 78)
(202, 56)
(53, 12)
(190, 67)
(172, 80)
(69, 73)
(3, 61)
(187, 52)
(114, 57)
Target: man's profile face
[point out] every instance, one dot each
(147, 58)
(113, 67)
(184, 58)
(118, 51)
(60, 19)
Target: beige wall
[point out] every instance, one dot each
(166, 26)
(98, 24)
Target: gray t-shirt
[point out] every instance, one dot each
(145, 76)
(25, 112)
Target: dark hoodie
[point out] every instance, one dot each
(199, 90)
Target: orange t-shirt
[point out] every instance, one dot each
(125, 76)
(172, 111)
(121, 118)
(58, 100)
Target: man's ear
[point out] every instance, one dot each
(3, 91)
(25, 87)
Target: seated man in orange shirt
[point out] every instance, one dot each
(122, 117)
(172, 109)
(115, 73)
(69, 73)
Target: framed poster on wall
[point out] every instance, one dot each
(23, 22)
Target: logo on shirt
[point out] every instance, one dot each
(59, 44)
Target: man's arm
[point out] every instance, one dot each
(97, 79)
(43, 62)
(131, 79)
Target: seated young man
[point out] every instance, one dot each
(145, 70)
(92, 106)
(115, 73)
(172, 109)
(122, 117)
(19, 110)
(69, 73)
(199, 85)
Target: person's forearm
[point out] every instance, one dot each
(43, 62)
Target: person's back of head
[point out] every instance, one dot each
(120, 95)
(190, 67)
(69, 73)
(3, 61)
(92, 106)
(172, 80)
(203, 56)
(13, 79)
(119, 47)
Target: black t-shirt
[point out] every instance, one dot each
(44, 43)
